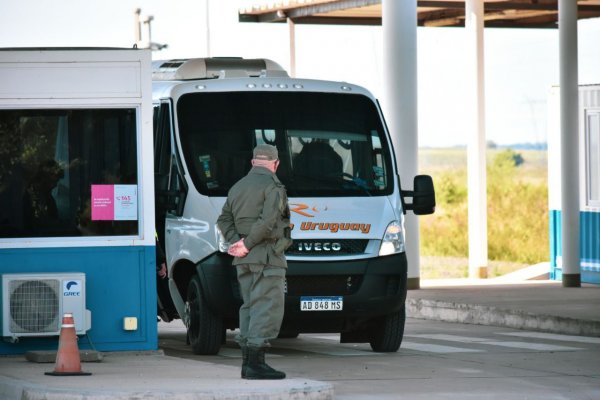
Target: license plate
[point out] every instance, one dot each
(329, 303)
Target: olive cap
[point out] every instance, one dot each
(265, 152)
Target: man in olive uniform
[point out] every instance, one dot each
(255, 218)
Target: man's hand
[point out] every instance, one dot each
(238, 249)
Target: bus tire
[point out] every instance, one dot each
(387, 332)
(205, 329)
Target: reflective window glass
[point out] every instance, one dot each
(49, 162)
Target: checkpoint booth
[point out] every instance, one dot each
(76, 198)
(588, 139)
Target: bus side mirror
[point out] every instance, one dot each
(423, 196)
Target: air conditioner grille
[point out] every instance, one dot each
(34, 305)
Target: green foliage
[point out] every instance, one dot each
(506, 160)
(24, 141)
(450, 190)
(517, 204)
(9, 141)
(445, 233)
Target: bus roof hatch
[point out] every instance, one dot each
(211, 68)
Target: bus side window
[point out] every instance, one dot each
(162, 144)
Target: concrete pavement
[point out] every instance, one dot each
(540, 305)
(147, 376)
(526, 304)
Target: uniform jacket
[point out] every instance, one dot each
(257, 211)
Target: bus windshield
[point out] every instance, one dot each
(329, 144)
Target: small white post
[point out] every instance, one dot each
(292, 30)
(207, 28)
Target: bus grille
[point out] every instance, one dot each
(330, 285)
(326, 247)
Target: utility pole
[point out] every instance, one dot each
(145, 41)
(207, 28)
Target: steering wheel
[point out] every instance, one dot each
(347, 176)
(345, 144)
(266, 140)
(303, 141)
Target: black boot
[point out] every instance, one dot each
(244, 360)
(257, 368)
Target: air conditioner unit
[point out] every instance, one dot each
(34, 304)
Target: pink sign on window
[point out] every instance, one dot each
(103, 202)
(114, 202)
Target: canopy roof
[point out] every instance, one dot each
(498, 13)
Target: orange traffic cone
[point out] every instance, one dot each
(67, 358)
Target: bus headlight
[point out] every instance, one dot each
(393, 240)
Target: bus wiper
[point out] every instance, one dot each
(357, 183)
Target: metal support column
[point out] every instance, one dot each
(476, 147)
(399, 21)
(569, 142)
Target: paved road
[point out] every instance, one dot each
(437, 360)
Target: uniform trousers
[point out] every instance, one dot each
(262, 289)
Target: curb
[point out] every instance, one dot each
(483, 315)
(297, 389)
(127, 376)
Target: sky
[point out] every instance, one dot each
(520, 64)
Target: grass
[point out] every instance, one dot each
(517, 196)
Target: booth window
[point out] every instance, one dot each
(49, 162)
(592, 131)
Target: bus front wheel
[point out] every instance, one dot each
(387, 332)
(205, 329)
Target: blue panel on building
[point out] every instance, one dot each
(120, 282)
(589, 246)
